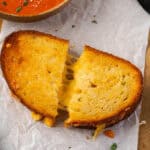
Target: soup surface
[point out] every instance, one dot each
(27, 7)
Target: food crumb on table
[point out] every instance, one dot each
(109, 133)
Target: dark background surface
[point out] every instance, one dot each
(145, 4)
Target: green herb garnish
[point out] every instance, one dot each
(113, 146)
(18, 9)
(4, 3)
(25, 3)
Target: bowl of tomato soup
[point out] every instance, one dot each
(29, 10)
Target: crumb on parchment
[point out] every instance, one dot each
(143, 122)
(109, 133)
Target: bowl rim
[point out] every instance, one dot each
(15, 17)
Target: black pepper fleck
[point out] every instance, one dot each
(73, 26)
(94, 21)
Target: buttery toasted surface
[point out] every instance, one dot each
(105, 89)
(33, 64)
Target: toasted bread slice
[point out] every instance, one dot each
(105, 89)
(33, 64)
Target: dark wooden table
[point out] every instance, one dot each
(144, 134)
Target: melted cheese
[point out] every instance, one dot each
(98, 130)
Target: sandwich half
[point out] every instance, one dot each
(105, 89)
(33, 64)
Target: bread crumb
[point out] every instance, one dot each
(109, 133)
(143, 122)
(48, 121)
(36, 116)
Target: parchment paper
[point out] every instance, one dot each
(119, 27)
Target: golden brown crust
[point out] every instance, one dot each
(37, 33)
(12, 39)
(107, 121)
(121, 114)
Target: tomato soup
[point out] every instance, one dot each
(27, 7)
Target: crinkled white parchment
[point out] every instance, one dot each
(121, 28)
